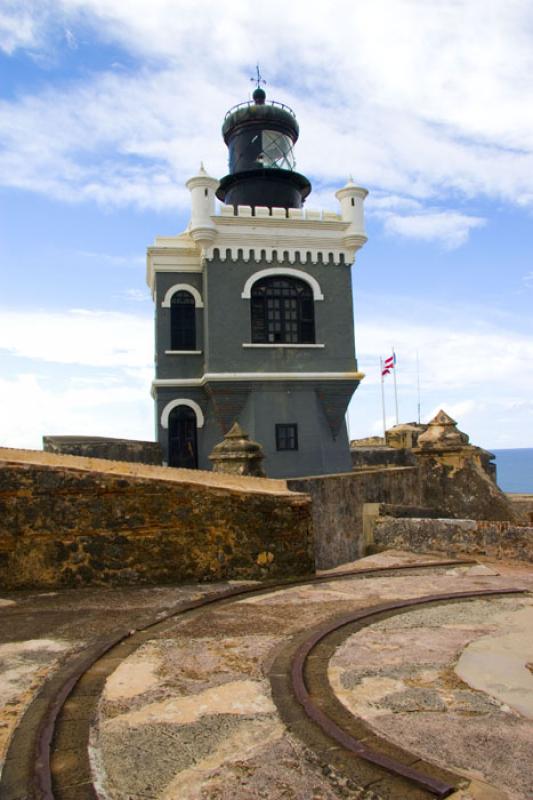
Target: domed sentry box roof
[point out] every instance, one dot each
(260, 137)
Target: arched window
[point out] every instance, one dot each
(282, 311)
(182, 321)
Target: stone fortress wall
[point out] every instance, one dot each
(337, 507)
(455, 537)
(111, 449)
(69, 521)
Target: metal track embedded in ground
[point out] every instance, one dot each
(418, 777)
(81, 680)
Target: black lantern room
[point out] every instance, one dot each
(260, 137)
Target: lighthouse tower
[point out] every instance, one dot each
(254, 317)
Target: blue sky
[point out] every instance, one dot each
(107, 107)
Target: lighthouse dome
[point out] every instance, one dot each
(260, 137)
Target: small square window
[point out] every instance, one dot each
(287, 436)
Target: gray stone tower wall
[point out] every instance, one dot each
(261, 386)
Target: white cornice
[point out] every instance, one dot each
(269, 238)
(211, 377)
(270, 235)
(281, 345)
(172, 254)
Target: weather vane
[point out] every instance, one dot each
(259, 80)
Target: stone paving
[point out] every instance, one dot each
(189, 715)
(446, 683)
(39, 631)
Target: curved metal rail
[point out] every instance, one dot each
(42, 725)
(435, 786)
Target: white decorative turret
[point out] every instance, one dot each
(351, 199)
(202, 188)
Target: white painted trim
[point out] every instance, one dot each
(182, 287)
(182, 402)
(281, 376)
(295, 273)
(252, 344)
(257, 376)
(183, 352)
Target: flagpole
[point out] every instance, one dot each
(395, 387)
(418, 383)
(382, 395)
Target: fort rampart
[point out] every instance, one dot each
(68, 521)
(337, 507)
(454, 537)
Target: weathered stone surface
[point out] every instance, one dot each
(381, 456)
(456, 483)
(238, 454)
(105, 447)
(62, 525)
(337, 508)
(368, 441)
(405, 435)
(523, 505)
(442, 432)
(455, 536)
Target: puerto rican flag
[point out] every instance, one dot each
(388, 364)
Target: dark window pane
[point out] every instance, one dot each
(182, 322)
(282, 311)
(287, 436)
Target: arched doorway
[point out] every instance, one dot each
(182, 439)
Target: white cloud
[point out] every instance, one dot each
(18, 27)
(478, 372)
(378, 204)
(449, 228)
(33, 406)
(417, 100)
(70, 39)
(137, 295)
(83, 372)
(453, 353)
(90, 338)
(528, 280)
(134, 260)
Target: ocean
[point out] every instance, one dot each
(515, 469)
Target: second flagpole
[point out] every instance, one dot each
(382, 395)
(395, 386)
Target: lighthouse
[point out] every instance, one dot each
(254, 316)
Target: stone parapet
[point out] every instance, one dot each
(337, 508)
(108, 448)
(465, 537)
(523, 503)
(67, 521)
